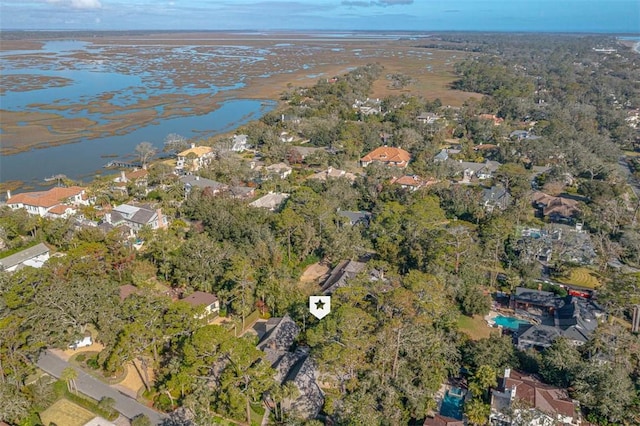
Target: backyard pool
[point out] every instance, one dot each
(509, 322)
(453, 403)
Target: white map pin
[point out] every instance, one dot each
(320, 306)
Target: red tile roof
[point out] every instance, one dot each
(387, 154)
(59, 209)
(440, 420)
(48, 198)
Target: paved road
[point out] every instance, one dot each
(96, 389)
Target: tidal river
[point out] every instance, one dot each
(84, 158)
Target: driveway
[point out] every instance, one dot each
(97, 390)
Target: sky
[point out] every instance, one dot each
(608, 16)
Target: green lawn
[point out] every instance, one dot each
(65, 412)
(475, 327)
(581, 277)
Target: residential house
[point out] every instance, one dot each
(481, 171)
(571, 317)
(428, 118)
(272, 201)
(390, 156)
(556, 209)
(345, 270)
(57, 202)
(282, 170)
(34, 256)
(440, 420)
(292, 364)
(242, 192)
(136, 177)
(523, 134)
(240, 143)
(285, 137)
(368, 106)
(136, 217)
(194, 158)
(305, 151)
(443, 155)
(413, 182)
(496, 197)
(331, 173)
(355, 218)
(208, 186)
(208, 301)
(496, 120)
(543, 404)
(290, 118)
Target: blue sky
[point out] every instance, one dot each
(413, 15)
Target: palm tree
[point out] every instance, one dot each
(69, 375)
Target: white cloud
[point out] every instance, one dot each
(86, 4)
(77, 4)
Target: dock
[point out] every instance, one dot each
(123, 164)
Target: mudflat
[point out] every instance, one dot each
(169, 75)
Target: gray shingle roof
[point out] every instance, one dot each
(24, 255)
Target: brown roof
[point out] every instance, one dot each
(136, 174)
(556, 205)
(199, 298)
(59, 209)
(440, 420)
(387, 154)
(48, 198)
(541, 396)
(496, 120)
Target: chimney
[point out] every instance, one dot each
(123, 177)
(507, 373)
(512, 395)
(107, 217)
(193, 145)
(8, 194)
(144, 166)
(197, 177)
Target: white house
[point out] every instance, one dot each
(271, 201)
(34, 256)
(194, 158)
(240, 143)
(56, 202)
(279, 169)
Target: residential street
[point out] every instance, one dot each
(94, 388)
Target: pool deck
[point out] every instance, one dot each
(490, 318)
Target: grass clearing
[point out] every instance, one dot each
(581, 277)
(65, 413)
(475, 327)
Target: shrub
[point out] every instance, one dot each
(81, 357)
(93, 362)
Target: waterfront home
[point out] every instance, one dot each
(136, 177)
(34, 256)
(136, 217)
(544, 404)
(194, 158)
(239, 143)
(272, 201)
(390, 156)
(56, 202)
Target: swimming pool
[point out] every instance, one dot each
(509, 322)
(453, 404)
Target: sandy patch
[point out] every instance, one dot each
(132, 382)
(314, 272)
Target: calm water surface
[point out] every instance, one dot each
(90, 79)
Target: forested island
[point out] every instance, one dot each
(470, 253)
